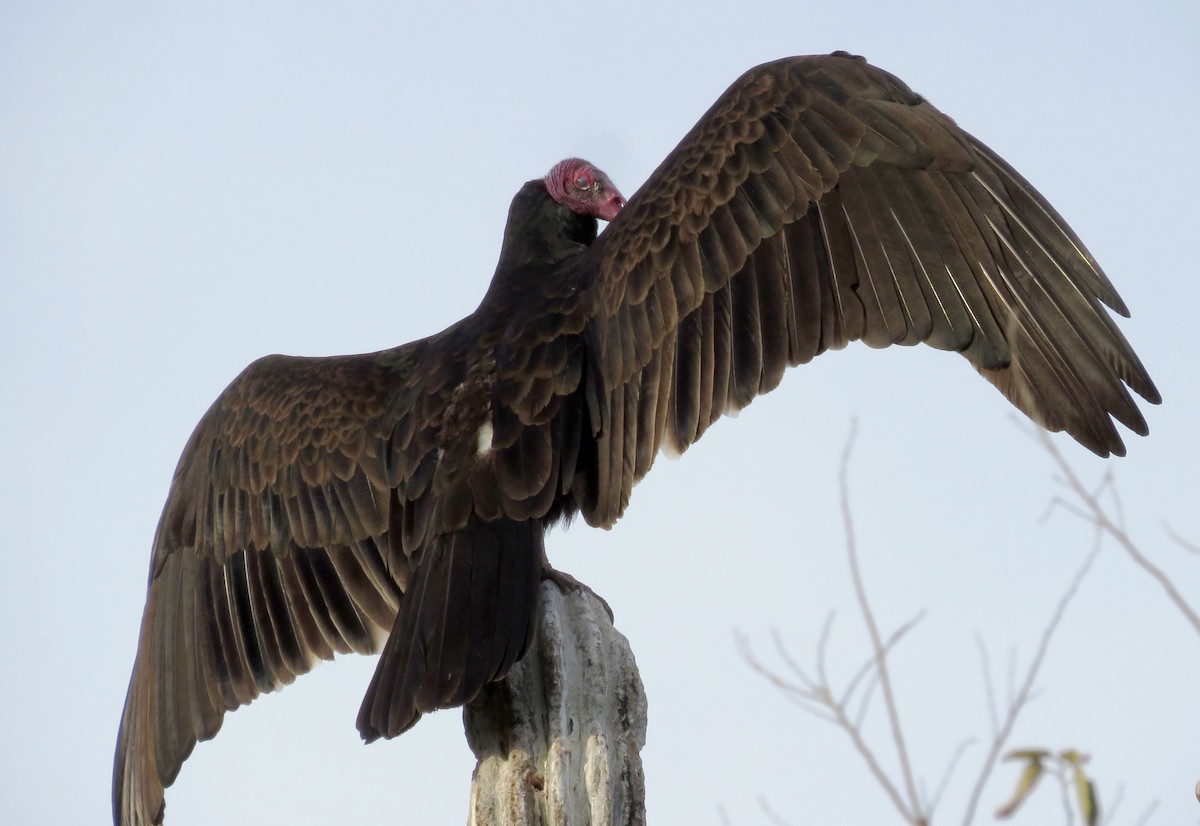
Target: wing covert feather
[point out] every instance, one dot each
(820, 201)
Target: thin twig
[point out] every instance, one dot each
(790, 662)
(865, 702)
(912, 811)
(988, 686)
(1108, 814)
(762, 801)
(1145, 818)
(871, 665)
(1119, 506)
(1064, 785)
(1100, 518)
(955, 759)
(1025, 693)
(767, 810)
(817, 699)
(822, 647)
(1010, 693)
(1179, 540)
(873, 765)
(807, 696)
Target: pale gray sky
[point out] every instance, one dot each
(186, 187)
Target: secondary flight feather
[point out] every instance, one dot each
(398, 500)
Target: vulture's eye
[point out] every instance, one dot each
(583, 182)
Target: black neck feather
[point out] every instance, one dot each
(542, 231)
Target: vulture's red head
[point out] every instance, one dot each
(584, 189)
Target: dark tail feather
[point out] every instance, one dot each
(466, 618)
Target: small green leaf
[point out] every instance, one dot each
(1089, 807)
(1028, 754)
(1027, 781)
(1072, 757)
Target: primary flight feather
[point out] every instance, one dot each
(399, 499)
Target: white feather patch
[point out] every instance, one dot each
(484, 438)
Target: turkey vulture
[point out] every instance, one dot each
(398, 499)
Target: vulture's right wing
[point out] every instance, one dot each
(821, 201)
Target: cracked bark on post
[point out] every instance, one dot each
(558, 741)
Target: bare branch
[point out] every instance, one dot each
(876, 770)
(812, 692)
(816, 696)
(808, 696)
(1024, 694)
(1096, 514)
(817, 699)
(912, 811)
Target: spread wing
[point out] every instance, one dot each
(821, 201)
(286, 539)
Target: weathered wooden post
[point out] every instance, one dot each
(558, 741)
